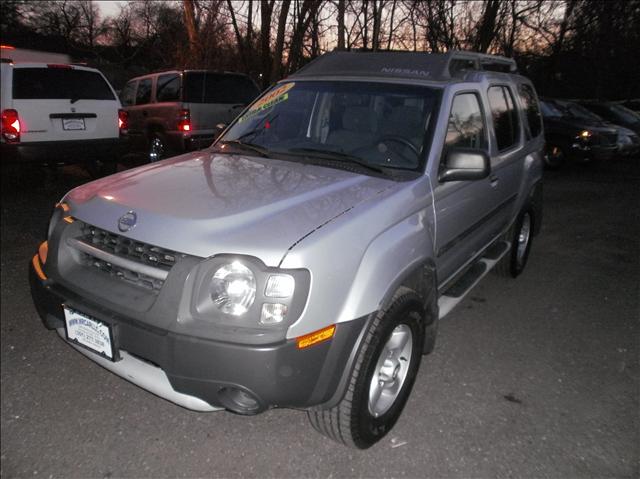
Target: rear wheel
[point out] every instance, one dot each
(382, 377)
(520, 235)
(157, 148)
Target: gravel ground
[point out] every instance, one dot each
(535, 377)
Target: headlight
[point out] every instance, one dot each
(585, 134)
(233, 288)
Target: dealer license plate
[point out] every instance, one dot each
(73, 124)
(89, 332)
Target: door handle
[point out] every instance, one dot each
(494, 181)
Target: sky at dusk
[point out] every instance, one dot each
(110, 8)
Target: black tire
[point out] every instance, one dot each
(157, 147)
(352, 421)
(521, 236)
(554, 157)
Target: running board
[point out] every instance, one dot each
(472, 276)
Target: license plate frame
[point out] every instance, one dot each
(73, 124)
(90, 333)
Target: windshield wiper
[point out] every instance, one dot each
(339, 156)
(262, 151)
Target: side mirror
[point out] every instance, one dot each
(463, 164)
(218, 129)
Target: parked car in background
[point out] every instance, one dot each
(615, 113)
(59, 113)
(175, 111)
(574, 133)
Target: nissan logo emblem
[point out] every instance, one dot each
(127, 221)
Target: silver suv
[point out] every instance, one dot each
(305, 259)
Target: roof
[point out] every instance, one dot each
(414, 65)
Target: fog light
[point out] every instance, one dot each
(280, 286)
(273, 313)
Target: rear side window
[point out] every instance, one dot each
(128, 94)
(204, 87)
(466, 124)
(143, 95)
(531, 110)
(168, 87)
(59, 83)
(505, 116)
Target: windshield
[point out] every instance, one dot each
(625, 114)
(372, 124)
(549, 109)
(578, 111)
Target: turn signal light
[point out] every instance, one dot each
(316, 337)
(43, 250)
(123, 121)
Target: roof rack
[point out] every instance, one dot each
(426, 66)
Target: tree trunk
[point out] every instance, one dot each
(192, 32)
(266, 10)
(341, 31)
(276, 69)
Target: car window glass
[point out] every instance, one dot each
(128, 94)
(505, 118)
(168, 87)
(59, 83)
(531, 110)
(466, 127)
(205, 87)
(143, 95)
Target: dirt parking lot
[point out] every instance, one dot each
(534, 377)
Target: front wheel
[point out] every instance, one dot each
(382, 377)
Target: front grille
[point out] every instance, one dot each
(148, 264)
(609, 139)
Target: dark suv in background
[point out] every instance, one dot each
(175, 111)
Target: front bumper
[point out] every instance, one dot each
(203, 374)
(54, 152)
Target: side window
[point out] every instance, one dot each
(143, 95)
(168, 87)
(128, 94)
(466, 127)
(531, 110)
(505, 117)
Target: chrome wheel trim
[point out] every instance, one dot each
(391, 370)
(524, 236)
(156, 149)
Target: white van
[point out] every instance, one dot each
(59, 113)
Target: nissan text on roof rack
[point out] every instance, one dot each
(305, 259)
(57, 113)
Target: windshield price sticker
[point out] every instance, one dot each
(88, 332)
(272, 98)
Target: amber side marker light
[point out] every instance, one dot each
(38, 269)
(316, 337)
(68, 219)
(43, 250)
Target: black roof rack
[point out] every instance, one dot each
(427, 66)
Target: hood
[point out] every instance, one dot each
(205, 203)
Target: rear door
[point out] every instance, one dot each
(64, 102)
(508, 152)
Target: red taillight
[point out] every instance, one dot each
(123, 121)
(10, 126)
(184, 121)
